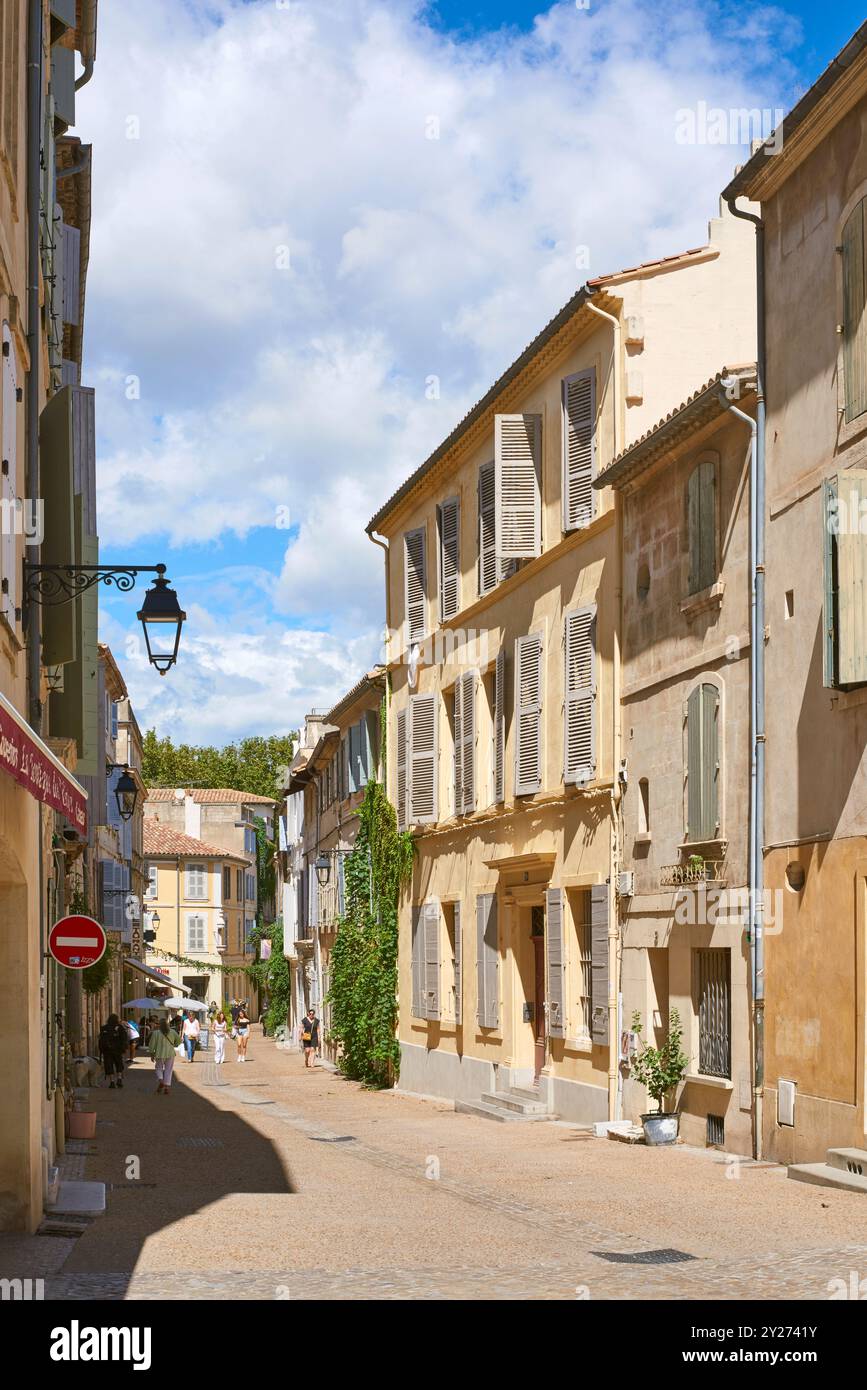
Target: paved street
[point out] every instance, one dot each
(281, 1184)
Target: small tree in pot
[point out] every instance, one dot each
(660, 1069)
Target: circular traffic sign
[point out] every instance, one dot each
(77, 942)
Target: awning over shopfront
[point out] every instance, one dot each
(33, 766)
(161, 979)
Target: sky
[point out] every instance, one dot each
(321, 229)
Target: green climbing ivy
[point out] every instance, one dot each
(273, 976)
(363, 993)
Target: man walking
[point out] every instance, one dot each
(310, 1036)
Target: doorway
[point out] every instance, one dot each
(537, 937)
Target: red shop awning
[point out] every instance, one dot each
(33, 765)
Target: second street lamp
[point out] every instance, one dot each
(323, 870)
(125, 794)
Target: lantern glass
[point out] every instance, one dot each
(126, 795)
(323, 869)
(162, 618)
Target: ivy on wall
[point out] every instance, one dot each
(273, 977)
(363, 993)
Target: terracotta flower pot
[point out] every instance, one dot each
(81, 1124)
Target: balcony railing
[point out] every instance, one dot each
(695, 872)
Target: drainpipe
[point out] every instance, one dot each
(615, 1094)
(757, 689)
(87, 30)
(34, 345)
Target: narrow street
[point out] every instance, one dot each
(281, 1184)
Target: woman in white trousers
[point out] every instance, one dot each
(221, 1028)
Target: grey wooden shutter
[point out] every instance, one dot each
(855, 314)
(401, 770)
(579, 446)
(415, 583)
(71, 273)
(458, 761)
(701, 504)
(500, 727)
(702, 768)
(555, 963)
(579, 712)
(468, 758)
(431, 1000)
(487, 529)
(518, 486)
(850, 544)
(528, 704)
(449, 528)
(459, 953)
(599, 962)
(423, 759)
(487, 960)
(417, 964)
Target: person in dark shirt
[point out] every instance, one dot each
(310, 1037)
(113, 1043)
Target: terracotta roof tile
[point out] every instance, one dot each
(223, 796)
(162, 839)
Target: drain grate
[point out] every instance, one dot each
(332, 1138)
(644, 1257)
(64, 1226)
(198, 1141)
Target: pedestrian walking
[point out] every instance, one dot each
(242, 1028)
(134, 1037)
(221, 1028)
(191, 1032)
(162, 1046)
(310, 1036)
(113, 1042)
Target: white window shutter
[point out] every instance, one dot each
(518, 490)
(431, 1001)
(579, 732)
(415, 584)
(528, 704)
(487, 960)
(458, 761)
(401, 770)
(599, 962)
(499, 728)
(468, 764)
(459, 952)
(417, 964)
(423, 759)
(449, 526)
(555, 963)
(579, 448)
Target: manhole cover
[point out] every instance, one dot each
(198, 1141)
(332, 1138)
(644, 1257)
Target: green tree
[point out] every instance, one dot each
(253, 765)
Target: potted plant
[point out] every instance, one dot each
(695, 864)
(660, 1069)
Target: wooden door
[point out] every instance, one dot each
(538, 939)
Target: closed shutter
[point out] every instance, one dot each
(458, 761)
(855, 314)
(851, 544)
(579, 444)
(702, 766)
(701, 507)
(401, 771)
(599, 962)
(487, 960)
(528, 704)
(459, 952)
(431, 1001)
(71, 273)
(10, 597)
(449, 526)
(468, 760)
(341, 883)
(487, 529)
(518, 491)
(423, 759)
(372, 735)
(579, 734)
(415, 583)
(417, 964)
(829, 580)
(555, 963)
(499, 727)
(195, 881)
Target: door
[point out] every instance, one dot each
(537, 933)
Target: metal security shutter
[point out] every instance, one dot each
(713, 998)
(468, 749)
(528, 704)
(599, 962)
(851, 572)
(449, 529)
(415, 583)
(458, 761)
(499, 728)
(555, 963)
(431, 1000)
(701, 509)
(459, 953)
(702, 770)
(401, 770)
(854, 315)
(579, 709)
(417, 964)
(579, 448)
(423, 759)
(518, 491)
(487, 960)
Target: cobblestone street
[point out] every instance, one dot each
(273, 1183)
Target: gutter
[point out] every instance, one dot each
(88, 42)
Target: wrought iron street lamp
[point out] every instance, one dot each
(125, 792)
(323, 869)
(162, 618)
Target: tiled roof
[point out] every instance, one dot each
(373, 680)
(221, 796)
(162, 839)
(686, 256)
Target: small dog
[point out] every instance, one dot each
(87, 1071)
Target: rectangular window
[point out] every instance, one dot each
(701, 523)
(579, 443)
(854, 315)
(151, 884)
(196, 881)
(702, 764)
(845, 578)
(422, 760)
(197, 934)
(713, 1005)
(487, 961)
(402, 787)
(415, 584)
(449, 536)
(251, 887)
(528, 704)
(581, 921)
(579, 713)
(239, 884)
(227, 884)
(451, 977)
(518, 486)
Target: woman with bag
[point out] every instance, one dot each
(113, 1043)
(164, 1041)
(221, 1028)
(191, 1035)
(242, 1026)
(310, 1037)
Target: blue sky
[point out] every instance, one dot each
(302, 214)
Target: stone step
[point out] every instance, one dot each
(824, 1175)
(497, 1112)
(515, 1102)
(850, 1160)
(78, 1199)
(525, 1092)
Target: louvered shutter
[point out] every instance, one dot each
(71, 273)
(500, 727)
(431, 1001)
(702, 770)
(555, 964)
(468, 760)
(701, 503)
(487, 529)
(449, 526)
(528, 704)
(417, 964)
(518, 490)
(415, 583)
(850, 543)
(855, 313)
(579, 734)
(10, 597)
(423, 759)
(459, 952)
(579, 445)
(401, 770)
(458, 761)
(487, 960)
(599, 962)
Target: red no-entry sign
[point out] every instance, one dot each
(77, 942)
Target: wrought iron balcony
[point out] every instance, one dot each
(694, 871)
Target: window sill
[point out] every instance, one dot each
(704, 601)
(584, 1045)
(719, 1083)
(643, 838)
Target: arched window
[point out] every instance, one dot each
(854, 316)
(701, 525)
